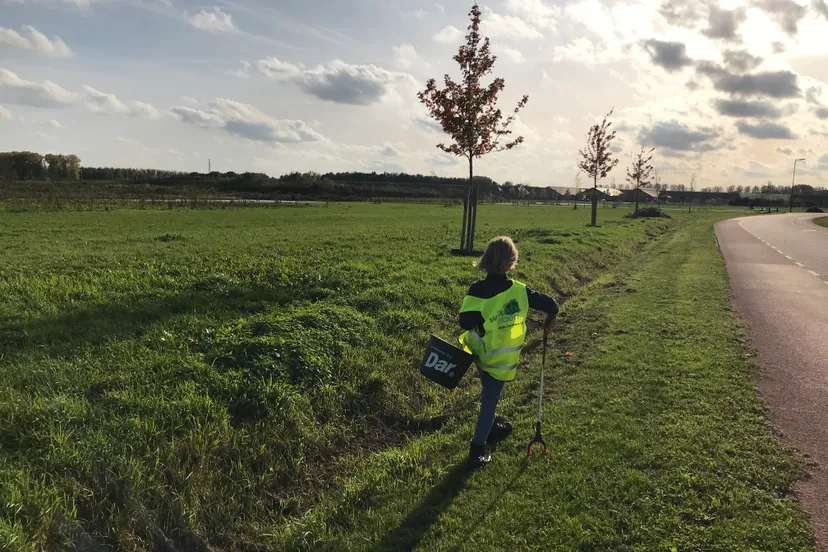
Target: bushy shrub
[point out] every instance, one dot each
(647, 212)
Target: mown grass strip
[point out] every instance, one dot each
(822, 221)
(657, 436)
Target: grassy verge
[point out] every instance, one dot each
(657, 438)
(198, 379)
(822, 221)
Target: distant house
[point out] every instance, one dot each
(720, 198)
(768, 197)
(566, 191)
(611, 192)
(645, 195)
(586, 195)
(551, 193)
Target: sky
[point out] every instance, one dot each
(730, 90)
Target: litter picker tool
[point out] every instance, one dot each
(538, 439)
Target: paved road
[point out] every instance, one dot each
(779, 270)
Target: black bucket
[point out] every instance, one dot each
(444, 363)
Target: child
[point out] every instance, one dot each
(494, 314)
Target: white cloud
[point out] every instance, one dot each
(611, 31)
(189, 100)
(538, 12)
(516, 56)
(389, 151)
(426, 124)
(43, 135)
(406, 57)
(239, 74)
(581, 50)
(247, 121)
(34, 42)
(15, 90)
(108, 104)
(144, 149)
(198, 117)
(416, 14)
(277, 69)
(47, 94)
(338, 82)
(51, 123)
(449, 35)
(213, 20)
(442, 160)
(243, 73)
(5, 113)
(83, 4)
(508, 26)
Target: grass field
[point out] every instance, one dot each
(658, 440)
(822, 221)
(199, 379)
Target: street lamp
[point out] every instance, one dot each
(793, 185)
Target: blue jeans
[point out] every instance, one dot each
(489, 398)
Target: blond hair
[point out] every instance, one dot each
(500, 257)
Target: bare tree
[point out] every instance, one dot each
(639, 174)
(577, 188)
(693, 178)
(596, 158)
(657, 180)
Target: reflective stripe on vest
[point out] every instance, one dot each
(504, 315)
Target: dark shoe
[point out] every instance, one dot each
(478, 457)
(501, 428)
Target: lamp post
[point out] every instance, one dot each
(793, 185)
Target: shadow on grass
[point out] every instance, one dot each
(60, 335)
(498, 496)
(409, 534)
(420, 520)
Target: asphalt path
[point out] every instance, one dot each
(778, 266)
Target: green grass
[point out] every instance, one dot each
(822, 221)
(208, 377)
(658, 440)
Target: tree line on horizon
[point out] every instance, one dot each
(26, 165)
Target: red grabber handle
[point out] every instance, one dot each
(537, 440)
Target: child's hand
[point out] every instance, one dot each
(551, 321)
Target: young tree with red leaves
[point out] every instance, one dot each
(467, 111)
(638, 175)
(596, 158)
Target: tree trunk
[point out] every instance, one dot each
(637, 191)
(465, 212)
(595, 200)
(472, 207)
(475, 198)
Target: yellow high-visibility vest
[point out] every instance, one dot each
(504, 322)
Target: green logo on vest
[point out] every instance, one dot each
(506, 317)
(512, 307)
